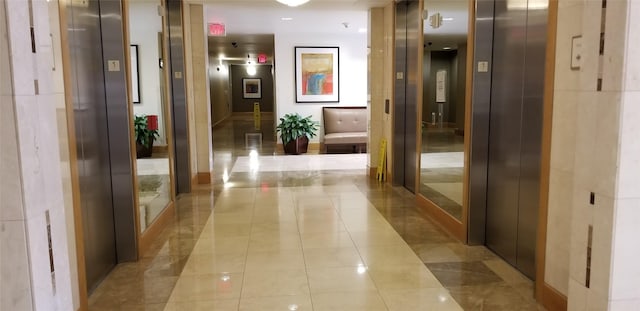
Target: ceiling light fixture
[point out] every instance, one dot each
(446, 48)
(293, 2)
(251, 70)
(435, 21)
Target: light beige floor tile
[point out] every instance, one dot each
(226, 230)
(206, 245)
(274, 195)
(351, 301)
(322, 280)
(285, 303)
(346, 204)
(215, 263)
(207, 287)
(260, 230)
(232, 218)
(420, 299)
(272, 244)
(237, 195)
(314, 202)
(332, 257)
(275, 260)
(274, 215)
(364, 220)
(233, 208)
(264, 283)
(354, 195)
(274, 203)
(377, 237)
(312, 226)
(210, 305)
(326, 240)
(341, 189)
(394, 255)
(403, 277)
(321, 214)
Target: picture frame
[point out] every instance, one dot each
(135, 74)
(251, 88)
(317, 74)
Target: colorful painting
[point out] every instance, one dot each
(317, 74)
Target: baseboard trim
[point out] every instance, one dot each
(373, 172)
(552, 299)
(160, 149)
(313, 148)
(442, 218)
(204, 178)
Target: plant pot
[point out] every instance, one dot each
(297, 146)
(144, 151)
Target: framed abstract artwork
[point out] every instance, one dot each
(251, 88)
(135, 76)
(317, 72)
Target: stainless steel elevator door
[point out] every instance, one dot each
(407, 61)
(515, 130)
(85, 48)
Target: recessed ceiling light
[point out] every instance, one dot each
(446, 48)
(362, 30)
(293, 2)
(286, 18)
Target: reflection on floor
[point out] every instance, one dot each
(442, 168)
(154, 190)
(318, 162)
(308, 240)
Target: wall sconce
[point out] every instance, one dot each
(435, 21)
(251, 70)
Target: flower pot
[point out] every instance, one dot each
(297, 146)
(143, 151)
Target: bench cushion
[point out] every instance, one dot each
(345, 138)
(344, 120)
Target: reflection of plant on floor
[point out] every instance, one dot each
(146, 130)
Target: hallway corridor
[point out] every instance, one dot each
(308, 240)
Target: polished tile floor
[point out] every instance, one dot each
(307, 240)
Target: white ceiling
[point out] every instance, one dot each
(261, 17)
(265, 16)
(451, 32)
(251, 24)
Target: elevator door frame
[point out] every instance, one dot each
(458, 227)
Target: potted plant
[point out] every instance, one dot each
(295, 132)
(146, 129)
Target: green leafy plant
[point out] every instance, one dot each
(144, 135)
(293, 126)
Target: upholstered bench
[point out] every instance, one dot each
(345, 126)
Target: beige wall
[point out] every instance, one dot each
(380, 64)
(220, 92)
(34, 167)
(198, 89)
(595, 149)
